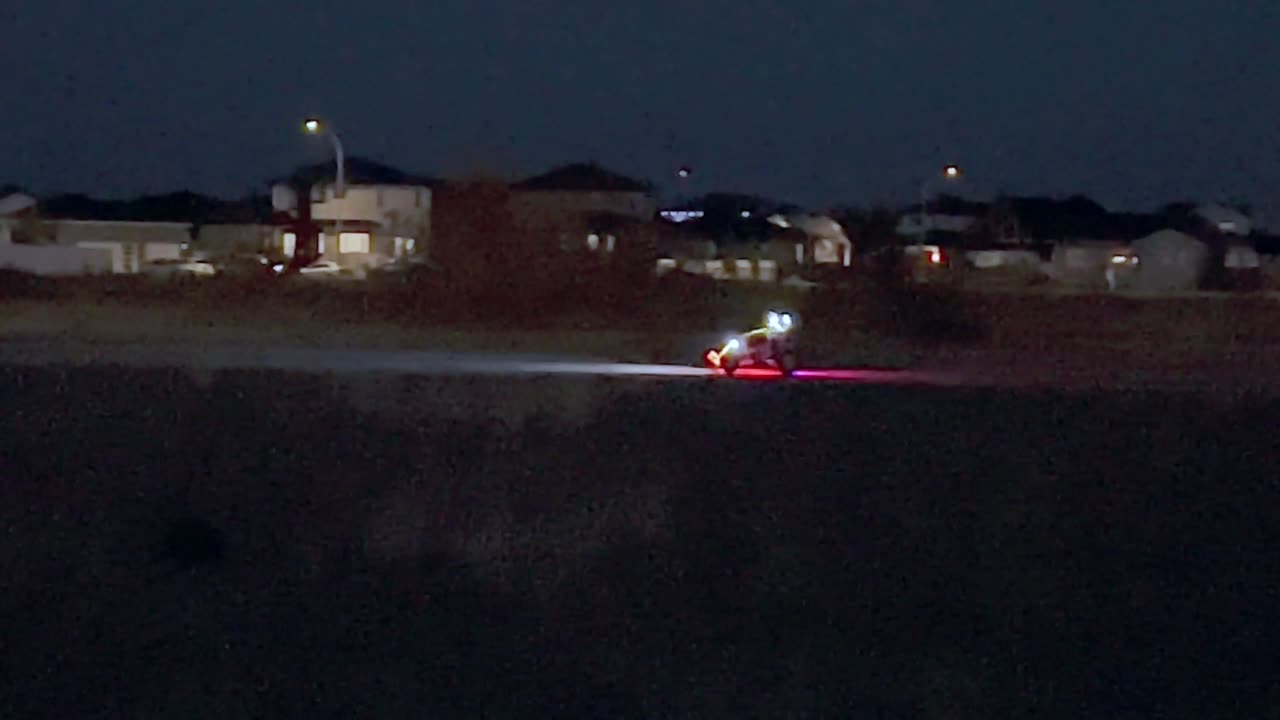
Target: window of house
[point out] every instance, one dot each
(417, 198)
(382, 198)
(768, 270)
(289, 244)
(353, 243)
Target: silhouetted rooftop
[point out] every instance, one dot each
(358, 171)
(584, 177)
(181, 207)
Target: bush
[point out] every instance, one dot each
(20, 285)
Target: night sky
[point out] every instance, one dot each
(818, 102)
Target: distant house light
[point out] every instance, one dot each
(1227, 226)
(679, 216)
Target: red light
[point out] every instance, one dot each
(758, 373)
(712, 358)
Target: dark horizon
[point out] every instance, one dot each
(826, 105)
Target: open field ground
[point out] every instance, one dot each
(1228, 343)
(269, 545)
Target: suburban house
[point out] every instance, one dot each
(944, 215)
(24, 243)
(1225, 219)
(582, 205)
(753, 238)
(381, 214)
(237, 228)
(57, 232)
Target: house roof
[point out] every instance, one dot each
(182, 206)
(1076, 217)
(583, 177)
(953, 205)
(357, 171)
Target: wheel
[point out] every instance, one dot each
(787, 362)
(729, 365)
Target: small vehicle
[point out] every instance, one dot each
(770, 346)
(179, 268)
(320, 270)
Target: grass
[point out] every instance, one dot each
(645, 319)
(259, 547)
(672, 319)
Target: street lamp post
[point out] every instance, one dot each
(949, 172)
(314, 126)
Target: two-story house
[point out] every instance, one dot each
(381, 214)
(581, 205)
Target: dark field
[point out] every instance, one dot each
(254, 546)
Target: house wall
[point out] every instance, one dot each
(1083, 264)
(231, 239)
(401, 209)
(566, 212)
(74, 232)
(50, 259)
(916, 224)
(1169, 261)
(381, 247)
(129, 257)
(101, 246)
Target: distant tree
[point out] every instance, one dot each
(1181, 216)
(871, 228)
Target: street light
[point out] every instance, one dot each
(313, 126)
(949, 172)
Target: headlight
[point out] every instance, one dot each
(732, 345)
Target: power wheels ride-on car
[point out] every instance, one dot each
(769, 346)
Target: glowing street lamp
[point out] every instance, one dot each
(314, 126)
(949, 172)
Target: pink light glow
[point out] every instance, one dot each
(862, 375)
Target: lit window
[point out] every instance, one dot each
(593, 241)
(289, 244)
(610, 241)
(353, 243)
(410, 244)
(768, 270)
(320, 244)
